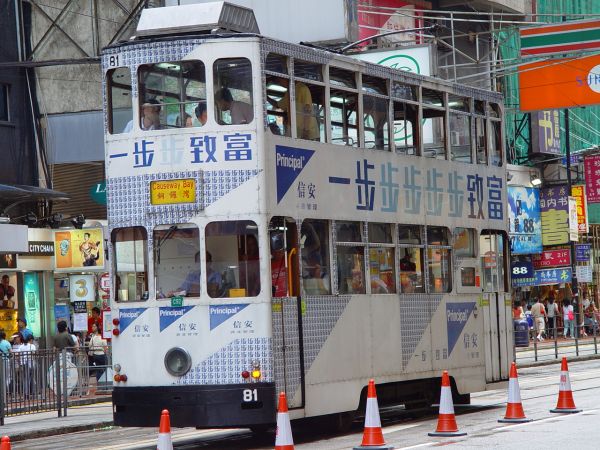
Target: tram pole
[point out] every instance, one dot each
(574, 284)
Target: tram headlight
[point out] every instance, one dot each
(178, 361)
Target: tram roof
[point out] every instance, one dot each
(324, 56)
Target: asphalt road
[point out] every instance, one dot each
(539, 388)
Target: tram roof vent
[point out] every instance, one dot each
(197, 18)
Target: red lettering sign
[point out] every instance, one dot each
(552, 258)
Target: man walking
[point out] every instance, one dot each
(539, 318)
(552, 314)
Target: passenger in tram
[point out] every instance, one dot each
(150, 117)
(306, 120)
(278, 266)
(201, 113)
(241, 112)
(214, 282)
(250, 266)
(191, 285)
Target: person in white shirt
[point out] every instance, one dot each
(569, 318)
(539, 316)
(240, 112)
(150, 117)
(552, 314)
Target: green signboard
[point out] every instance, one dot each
(177, 301)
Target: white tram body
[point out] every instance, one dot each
(218, 359)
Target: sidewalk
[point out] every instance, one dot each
(79, 418)
(546, 351)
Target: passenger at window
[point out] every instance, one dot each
(201, 113)
(214, 281)
(250, 269)
(306, 121)
(241, 112)
(407, 264)
(191, 285)
(150, 117)
(188, 122)
(278, 266)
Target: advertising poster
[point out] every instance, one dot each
(8, 321)
(79, 249)
(592, 178)
(31, 291)
(62, 312)
(579, 193)
(525, 228)
(81, 288)
(554, 207)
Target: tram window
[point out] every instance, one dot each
(375, 121)
(480, 140)
(276, 63)
(495, 143)
(405, 129)
(464, 242)
(403, 91)
(344, 112)
(437, 236)
(308, 70)
(170, 94)
(309, 108)
(411, 258)
(120, 110)
(492, 253)
(458, 103)
(233, 249)
(438, 265)
(341, 77)
(177, 260)
(314, 243)
(431, 97)
(374, 85)
(479, 107)
(409, 234)
(493, 110)
(351, 269)
(233, 91)
(348, 231)
(283, 239)
(435, 143)
(460, 138)
(382, 259)
(130, 248)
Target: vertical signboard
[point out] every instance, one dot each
(524, 220)
(554, 208)
(573, 225)
(592, 178)
(578, 192)
(32, 302)
(545, 132)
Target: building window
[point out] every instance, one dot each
(4, 111)
(130, 247)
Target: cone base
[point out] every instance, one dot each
(374, 447)
(565, 410)
(523, 420)
(447, 433)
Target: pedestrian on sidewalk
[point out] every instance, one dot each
(539, 317)
(6, 350)
(97, 353)
(552, 313)
(568, 318)
(518, 312)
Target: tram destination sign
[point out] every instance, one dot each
(169, 192)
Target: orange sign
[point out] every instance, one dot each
(172, 191)
(560, 83)
(578, 192)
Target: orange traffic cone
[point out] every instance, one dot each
(164, 432)
(372, 436)
(446, 421)
(5, 443)
(565, 395)
(514, 407)
(283, 438)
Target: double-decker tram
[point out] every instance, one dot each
(284, 218)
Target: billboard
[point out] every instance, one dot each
(545, 132)
(79, 249)
(525, 229)
(554, 207)
(559, 83)
(578, 192)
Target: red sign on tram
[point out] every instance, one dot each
(552, 258)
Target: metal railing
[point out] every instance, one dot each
(50, 380)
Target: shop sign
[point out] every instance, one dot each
(584, 274)
(41, 248)
(80, 307)
(98, 193)
(547, 138)
(554, 208)
(553, 276)
(583, 252)
(592, 178)
(522, 274)
(81, 288)
(31, 290)
(79, 249)
(525, 226)
(573, 224)
(552, 258)
(579, 193)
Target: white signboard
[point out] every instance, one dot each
(81, 288)
(573, 222)
(584, 274)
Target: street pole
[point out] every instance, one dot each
(574, 285)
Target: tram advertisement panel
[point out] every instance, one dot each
(351, 183)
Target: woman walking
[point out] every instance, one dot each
(97, 353)
(569, 318)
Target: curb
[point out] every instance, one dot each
(34, 434)
(558, 361)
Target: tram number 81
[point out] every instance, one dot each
(250, 395)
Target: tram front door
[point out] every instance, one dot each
(285, 285)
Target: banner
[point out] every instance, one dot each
(524, 226)
(78, 249)
(578, 192)
(592, 178)
(554, 207)
(552, 258)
